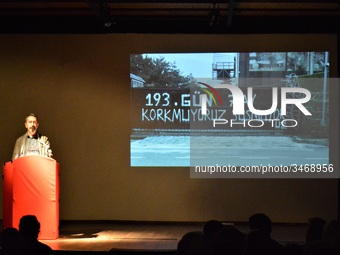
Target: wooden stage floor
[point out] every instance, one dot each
(145, 236)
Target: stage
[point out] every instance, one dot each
(107, 236)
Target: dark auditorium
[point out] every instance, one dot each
(170, 127)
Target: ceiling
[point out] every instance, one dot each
(169, 16)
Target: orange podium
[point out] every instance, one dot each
(31, 187)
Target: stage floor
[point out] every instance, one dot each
(146, 236)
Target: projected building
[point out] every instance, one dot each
(224, 65)
(136, 81)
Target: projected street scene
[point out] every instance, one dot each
(238, 108)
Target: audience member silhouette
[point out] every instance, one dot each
(29, 228)
(331, 234)
(212, 227)
(9, 241)
(261, 227)
(292, 249)
(318, 247)
(315, 229)
(194, 243)
(228, 241)
(260, 222)
(258, 243)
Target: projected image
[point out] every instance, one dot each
(170, 122)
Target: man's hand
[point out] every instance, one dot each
(44, 140)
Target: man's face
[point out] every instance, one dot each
(32, 125)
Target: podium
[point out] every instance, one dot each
(31, 187)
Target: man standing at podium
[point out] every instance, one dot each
(32, 143)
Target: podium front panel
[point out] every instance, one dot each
(7, 200)
(36, 192)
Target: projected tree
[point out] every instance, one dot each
(158, 73)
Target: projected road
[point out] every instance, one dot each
(225, 150)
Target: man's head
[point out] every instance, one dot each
(194, 243)
(261, 222)
(31, 124)
(29, 227)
